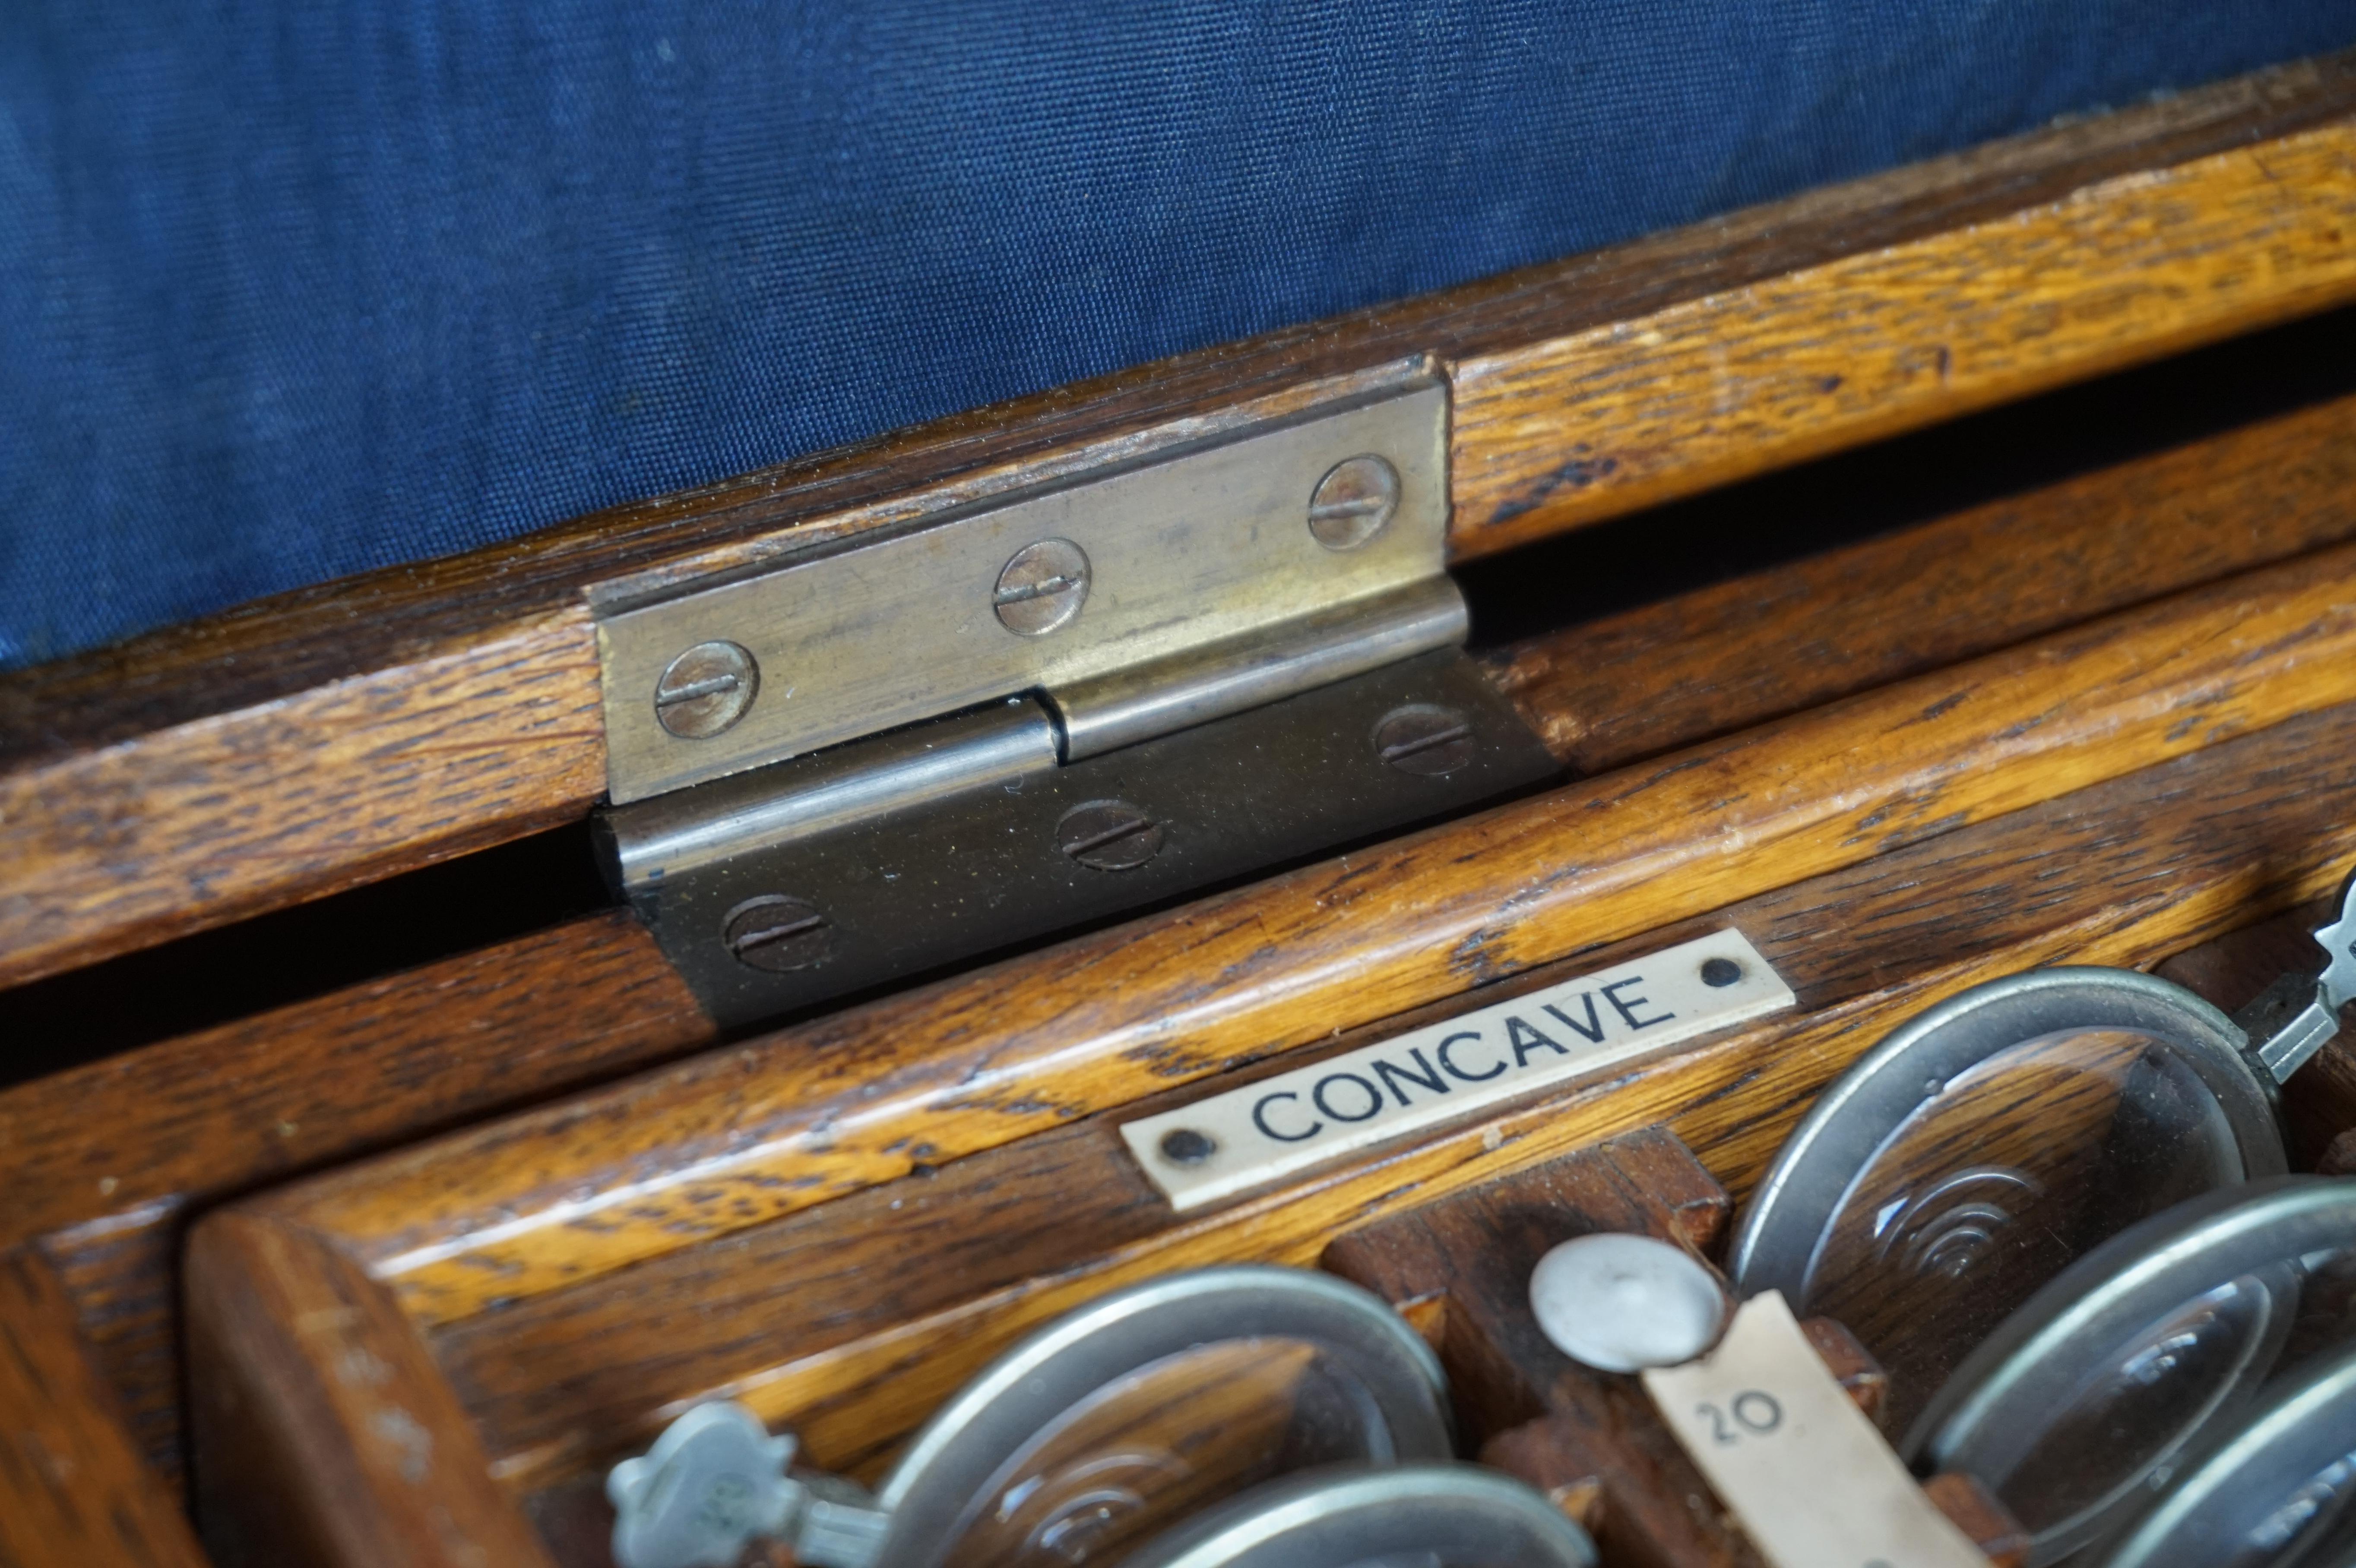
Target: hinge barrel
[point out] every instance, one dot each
(690, 830)
(1250, 671)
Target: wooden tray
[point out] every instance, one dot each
(541, 1294)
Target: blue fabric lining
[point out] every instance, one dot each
(290, 291)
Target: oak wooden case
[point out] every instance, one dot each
(544, 1202)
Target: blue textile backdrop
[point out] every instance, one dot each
(291, 290)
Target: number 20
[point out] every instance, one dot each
(1755, 1411)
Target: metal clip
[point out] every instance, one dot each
(715, 1481)
(2298, 1015)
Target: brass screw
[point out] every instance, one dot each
(1355, 501)
(706, 689)
(1041, 588)
(1108, 836)
(1425, 738)
(779, 933)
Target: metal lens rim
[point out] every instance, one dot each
(1332, 1519)
(990, 1419)
(2305, 1425)
(1776, 1239)
(2012, 1387)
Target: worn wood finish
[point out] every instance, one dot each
(105, 1161)
(1589, 1437)
(1771, 643)
(73, 1491)
(112, 846)
(813, 1112)
(325, 1433)
(1716, 389)
(850, 1321)
(296, 746)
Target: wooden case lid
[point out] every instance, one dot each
(323, 738)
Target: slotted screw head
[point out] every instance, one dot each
(706, 689)
(1108, 836)
(1355, 501)
(1425, 738)
(778, 933)
(1041, 588)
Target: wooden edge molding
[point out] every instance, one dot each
(193, 1120)
(74, 1490)
(299, 745)
(325, 1433)
(742, 1136)
(267, 1097)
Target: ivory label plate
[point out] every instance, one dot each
(1216, 1148)
(1789, 1452)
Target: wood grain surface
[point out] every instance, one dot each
(1714, 388)
(850, 1321)
(105, 1162)
(325, 1433)
(296, 746)
(2126, 872)
(74, 1493)
(813, 1112)
(1527, 1408)
(1707, 663)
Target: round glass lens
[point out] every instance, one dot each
(1996, 1180)
(2128, 1415)
(1166, 1440)
(2312, 1528)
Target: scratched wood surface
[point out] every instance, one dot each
(285, 749)
(851, 1321)
(816, 1112)
(74, 1492)
(209, 1114)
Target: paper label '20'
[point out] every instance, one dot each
(1754, 1410)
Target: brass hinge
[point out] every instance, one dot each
(1073, 702)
